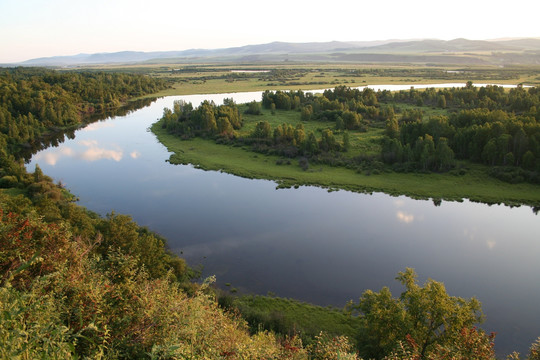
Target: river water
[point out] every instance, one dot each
(306, 243)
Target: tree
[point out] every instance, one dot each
(444, 156)
(441, 101)
(392, 128)
(528, 160)
(262, 130)
(224, 127)
(206, 117)
(346, 141)
(307, 113)
(328, 141)
(38, 174)
(392, 150)
(312, 146)
(254, 108)
(351, 120)
(339, 123)
(299, 135)
(427, 315)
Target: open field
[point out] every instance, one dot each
(218, 78)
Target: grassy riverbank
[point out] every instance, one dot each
(286, 316)
(471, 183)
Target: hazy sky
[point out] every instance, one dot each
(38, 28)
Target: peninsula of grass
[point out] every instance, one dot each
(472, 183)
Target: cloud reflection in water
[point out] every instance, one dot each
(404, 217)
(90, 152)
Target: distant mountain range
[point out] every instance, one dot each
(457, 51)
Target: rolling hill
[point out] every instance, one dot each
(457, 51)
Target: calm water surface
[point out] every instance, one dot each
(306, 243)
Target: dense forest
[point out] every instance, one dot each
(35, 101)
(77, 285)
(428, 130)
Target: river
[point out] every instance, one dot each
(306, 243)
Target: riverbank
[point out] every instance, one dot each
(473, 183)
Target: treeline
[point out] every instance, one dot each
(487, 125)
(222, 122)
(490, 125)
(206, 120)
(345, 106)
(35, 101)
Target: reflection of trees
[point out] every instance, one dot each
(128, 108)
(57, 136)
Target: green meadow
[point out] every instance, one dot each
(469, 182)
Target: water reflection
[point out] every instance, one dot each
(404, 217)
(95, 153)
(97, 126)
(90, 151)
(307, 243)
(52, 157)
(54, 139)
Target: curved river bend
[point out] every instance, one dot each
(306, 243)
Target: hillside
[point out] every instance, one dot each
(457, 51)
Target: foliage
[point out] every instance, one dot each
(36, 101)
(77, 285)
(427, 315)
(30, 326)
(61, 298)
(206, 120)
(326, 348)
(487, 125)
(471, 344)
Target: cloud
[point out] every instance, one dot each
(92, 153)
(52, 157)
(490, 244)
(96, 153)
(97, 125)
(135, 154)
(88, 142)
(404, 217)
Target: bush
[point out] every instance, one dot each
(8, 181)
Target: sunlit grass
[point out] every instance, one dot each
(473, 183)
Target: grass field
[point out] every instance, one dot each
(473, 184)
(217, 78)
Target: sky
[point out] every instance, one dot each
(41, 28)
